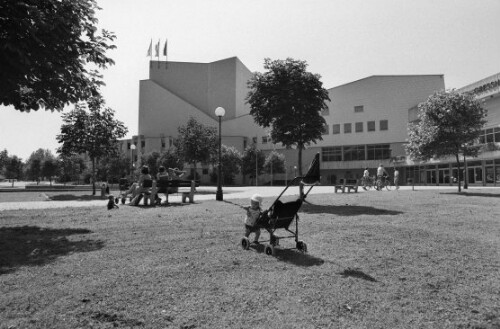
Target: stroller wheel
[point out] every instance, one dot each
(123, 200)
(245, 243)
(270, 250)
(302, 246)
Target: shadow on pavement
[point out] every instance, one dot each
(346, 210)
(490, 195)
(72, 197)
(33, 245)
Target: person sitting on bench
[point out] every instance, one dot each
(137, 188)
(175, 174)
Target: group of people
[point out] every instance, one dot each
(139, 187)
(382, 174)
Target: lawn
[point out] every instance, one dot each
(406, 259)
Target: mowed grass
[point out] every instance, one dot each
(406, 259)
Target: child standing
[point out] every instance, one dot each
(253, 213)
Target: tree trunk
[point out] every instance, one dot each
(93, 176)
(299, 163)
(458, 173)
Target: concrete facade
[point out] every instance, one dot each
(377, 109)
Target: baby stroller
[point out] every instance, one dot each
(281, 215)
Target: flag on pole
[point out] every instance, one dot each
(165, 48)
(157, 49)
(150, 48)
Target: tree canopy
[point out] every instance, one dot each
(289, 100)
(448, 125)
(50, 53)
(94, 132)
(196, 142)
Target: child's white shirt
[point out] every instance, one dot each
(252, 216)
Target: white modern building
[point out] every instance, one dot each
(366, 120)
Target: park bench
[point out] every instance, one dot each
(164, 185)
(347, 185)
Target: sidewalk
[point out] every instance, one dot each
(229, 193)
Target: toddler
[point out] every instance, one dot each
(253, 213)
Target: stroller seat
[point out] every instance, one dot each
(282, 214)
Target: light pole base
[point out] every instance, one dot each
(218, 195)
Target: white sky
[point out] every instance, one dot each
(342, 40)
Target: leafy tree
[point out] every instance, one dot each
(289, 100)
(14, 168)
(71, 167)
(50, 168)
(35, 163)
(196, 142)
(113, 167)
(170, 159)
(152, 160)
(253, 159)
(4, 156)
(95, 133)
(448, 125)
(274, 163)
(45, 46)
(231, 163)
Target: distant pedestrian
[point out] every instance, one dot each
(396, 178)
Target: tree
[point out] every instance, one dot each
(448, 124)
(289, 100)
(196, 142)
(50, 168)
(95, 133)
(35, 163)
(72, 167)
(170, 159)
(4, 156)
(45, 46)
(152, 160)
(14, 168)
(274, 163)
(231, 163)
(252, 161)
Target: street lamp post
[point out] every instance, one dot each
(219, 196)
(132, 148)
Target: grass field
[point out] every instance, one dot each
(407, 259)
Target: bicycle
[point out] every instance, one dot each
(367, 182)
(386, 182)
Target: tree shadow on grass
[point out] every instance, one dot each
(72, 197)
(33, 245)
(346, 210)
(490, 195)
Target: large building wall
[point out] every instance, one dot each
(383, 98)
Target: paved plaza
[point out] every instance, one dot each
(208, 193)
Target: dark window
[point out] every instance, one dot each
(378, 152)
(326, 129)
(371, 126)
(359, 127)
(358, 109)
(143, 144)
(489, 136)
(497, 135)
(354, 152)
(264, 139)
(335, 129)
(204, 171)
(163, 143)
(331, 153)
(128, 146)
(384, 125)
(254, 140)
(347, 128)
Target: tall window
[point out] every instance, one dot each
(354, 152)
(358, 109)
(359, 127)
(326, 129)
(347, 128)
(378, 152)
(264, 139)
(371, 126)
(333, 153)
(143, 144)
(336, 129)
(384, 125)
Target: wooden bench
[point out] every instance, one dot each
(164, 185)
(347, 185)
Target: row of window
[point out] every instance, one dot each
(357, 109)
(491, 135)
(356, 152)
(358, 127)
